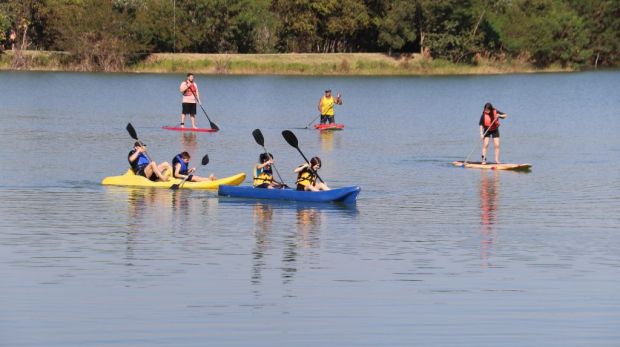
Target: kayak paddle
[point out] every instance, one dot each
(292, 140)
(205, 161)
(312, 121)
(213, 125)
(258, 136)
(134, 135)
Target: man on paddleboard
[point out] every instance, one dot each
(326, 107)
(189, 89)
(143, 166)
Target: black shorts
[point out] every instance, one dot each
(189, 108)
(301, 187)
(325, 119)
(143, 174)
(264, 185)
(494, 133)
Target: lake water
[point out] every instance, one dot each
(430, 255)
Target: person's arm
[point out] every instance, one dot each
(197, 94)
(177, 168)
(321, 106)
(338, 99)
(135, 155)
(184, 87)
(300, 169)
(501, 114)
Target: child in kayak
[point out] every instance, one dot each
(181, 169)
(307, 174)
(263, 175)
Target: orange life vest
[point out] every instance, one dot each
(490, 121)
(190, 89)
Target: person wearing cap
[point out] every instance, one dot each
(326, 107)
(189, 89)
(143, 166)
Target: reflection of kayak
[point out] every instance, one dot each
(130, 179)
(329, 126)
(190, 129)
(493, 166)
(348, 194)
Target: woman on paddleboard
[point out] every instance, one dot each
(263, 175)
(489, 126)
(307, 175)
(180, 164)
(326, 107)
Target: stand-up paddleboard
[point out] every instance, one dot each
(493, 166)
(329, 126)
(190, 129)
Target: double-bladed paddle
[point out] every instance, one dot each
(258, 136)
(134, 135)
(213, 125)
(292, 140)
(205, 161)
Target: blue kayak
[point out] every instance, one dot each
(348, 194)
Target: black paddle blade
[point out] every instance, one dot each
(205, 159)
(290, 138)
(258, 136)
(174, 186)
(214, 126)
(132, 131)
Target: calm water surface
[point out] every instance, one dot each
(431, 254)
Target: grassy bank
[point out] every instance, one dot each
(288, 64)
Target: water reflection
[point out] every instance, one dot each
(489, 196)
(188, 141)
(329, 140)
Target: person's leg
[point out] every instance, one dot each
(203, 179)
(321, 186)
(310, 188)
(496, 145)
(485, 146)
(323, 119)
(332, 119)
(155, 169)
(183, 120)
(193, 118)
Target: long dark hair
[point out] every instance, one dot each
(489, 107)
(263, 157)
(315, 161)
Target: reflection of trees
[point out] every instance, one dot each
(489, 190)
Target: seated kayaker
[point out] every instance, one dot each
(181, 169)
(263, 175)
(142, 166)
(307, 174)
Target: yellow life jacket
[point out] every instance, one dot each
(328, 106)
(262, 176)
(306, 177)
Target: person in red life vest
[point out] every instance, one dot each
(326, 107)
(489, 126)
(143, 166)
(189, 89)
(181, 169)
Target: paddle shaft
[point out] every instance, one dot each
(307, 126)
(483, 136)
(213, 125)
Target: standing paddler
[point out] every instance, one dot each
(189, 89)
(326, 106)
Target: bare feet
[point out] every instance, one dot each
(165, 178)
(194, 127)
(212, 177)
(182, 126)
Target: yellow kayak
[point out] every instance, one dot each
(130, 179)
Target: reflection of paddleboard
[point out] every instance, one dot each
(190, 129)
(329, 126)
(493, 166)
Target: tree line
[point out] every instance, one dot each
(107, 34)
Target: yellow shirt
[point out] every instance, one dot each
(328, 106)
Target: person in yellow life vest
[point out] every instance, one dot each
(326, 107)
(489, 126)
(306, 177)
(263, 175)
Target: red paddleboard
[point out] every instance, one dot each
(329, 126)
(190, 129)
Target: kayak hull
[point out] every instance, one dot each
(190, 129)
(348, 194)
(329, 126)
(131, 179)
(493, 166)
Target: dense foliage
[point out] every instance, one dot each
(106, 34)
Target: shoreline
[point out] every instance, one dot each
(345, 64)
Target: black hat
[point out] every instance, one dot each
(138, 144)
(328, 90)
